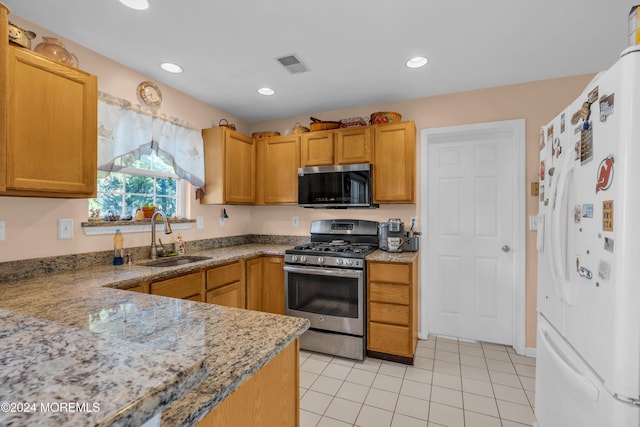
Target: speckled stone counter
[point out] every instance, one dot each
(399, 257)
(71, 337)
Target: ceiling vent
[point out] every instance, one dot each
(292, 64)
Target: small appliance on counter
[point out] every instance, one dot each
(391, 235)
(393, 238)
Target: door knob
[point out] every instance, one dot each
(506, 248)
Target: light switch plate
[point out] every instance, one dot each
(2, 236)
(295, 221)
(200, 223)
(65, 228)
(533, 223)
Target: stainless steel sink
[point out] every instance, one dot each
(174, 261)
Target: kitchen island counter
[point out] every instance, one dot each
(130, 353)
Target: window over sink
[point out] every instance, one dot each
(149, 181)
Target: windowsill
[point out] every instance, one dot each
(96, 228)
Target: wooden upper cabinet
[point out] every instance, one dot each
(394, 154)
(316, 149)
(277, 173)
(50, 111)
(353, 145)
(230, 165)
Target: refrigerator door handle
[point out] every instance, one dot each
(581, 382)
(558, 271)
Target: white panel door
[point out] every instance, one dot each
(470, 235)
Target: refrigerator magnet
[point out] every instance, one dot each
(607, 215)
(576, 150)
(541, 192)
(608, 244)
(604, 270)
(542, 170)
(593, 96)
(541, 143)
(577, 214)
(575, 118)
(562, 119)
(557, 148)
(586, 146)
(605, 174)
(585, 111)
(550, 133)
(606, 107)
(587, 210)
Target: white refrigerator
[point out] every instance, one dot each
(588, 342)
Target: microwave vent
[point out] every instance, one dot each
(292, 64)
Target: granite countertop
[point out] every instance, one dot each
(399, 257)
(72, 339)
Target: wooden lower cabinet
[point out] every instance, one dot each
(225, 285)
(188, 286)
(392, 310)
(268, 398)
(142, 288)
(265, 284)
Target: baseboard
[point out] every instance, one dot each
(530, 352)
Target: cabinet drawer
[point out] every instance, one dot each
(230, 296)
(179, 287)
(390, 339)
(388, 272)
(223, 275)
(389, 313)
(389, 292)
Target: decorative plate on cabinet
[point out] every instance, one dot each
(150, 94)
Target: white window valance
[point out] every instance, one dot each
(126, 132)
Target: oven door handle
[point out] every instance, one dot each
(325, 272)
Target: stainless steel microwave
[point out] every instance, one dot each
(340, 186)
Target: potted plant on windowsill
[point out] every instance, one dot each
(148, 209)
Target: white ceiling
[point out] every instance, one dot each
(355, 49)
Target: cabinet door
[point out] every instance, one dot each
(229, 295)
(254, 283)
(188, 286)
(353, 145)
(316, 149)
(240, 167)
(280, 169)
(51, 147)
(394, 156)
(273, 284)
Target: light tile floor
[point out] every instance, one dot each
(452, 383)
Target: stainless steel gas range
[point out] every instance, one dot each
(325, 282)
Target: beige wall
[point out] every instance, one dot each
(31, 223)
(536, 102)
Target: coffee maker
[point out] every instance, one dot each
(391, 235)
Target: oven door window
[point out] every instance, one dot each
(326, 295)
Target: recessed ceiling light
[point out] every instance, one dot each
(171, 67)
(267, 91)
(136, 4)
(417, 62)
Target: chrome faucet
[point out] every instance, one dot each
(167, 230)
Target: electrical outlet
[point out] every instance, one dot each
(295, 221)
(2, 237)
(222, 220)
(200, 223)
(65, 228)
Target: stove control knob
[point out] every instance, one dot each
(294, 258)
(320, 260)
(348, 261)
(303, 258)
(339, 261)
